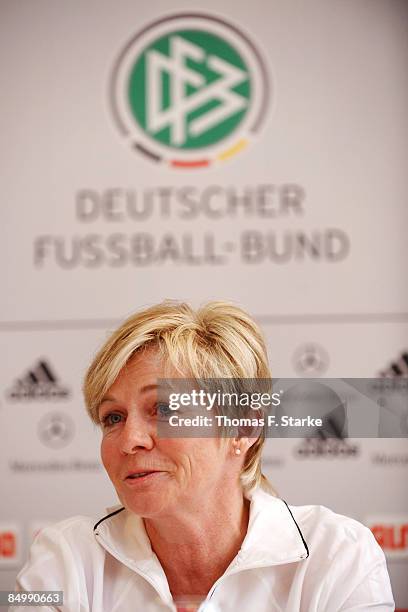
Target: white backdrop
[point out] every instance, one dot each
(305, 228)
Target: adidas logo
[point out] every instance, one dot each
(39, 383)
(326, 447)
(397, 368)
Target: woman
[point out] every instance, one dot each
(198, 526)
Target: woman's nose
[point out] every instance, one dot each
(135, 435)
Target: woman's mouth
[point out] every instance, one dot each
(139, 477)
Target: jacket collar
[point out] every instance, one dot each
(273, 537)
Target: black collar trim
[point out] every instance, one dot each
(293, 518)
(298, 528)
(107, 516)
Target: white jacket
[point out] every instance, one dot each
(304, 558)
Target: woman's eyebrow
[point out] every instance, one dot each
(145, 389)
(107, 398)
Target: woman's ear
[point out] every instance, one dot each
(251, 432)
(247, 435)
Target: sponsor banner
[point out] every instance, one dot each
(56, 429)
(199, 159)
(391, 533)
(390, 459)
(327, 448)
(190, 90)
(10, 544)
(398, 367)
(38, 383)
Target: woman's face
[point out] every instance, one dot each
(180, 472)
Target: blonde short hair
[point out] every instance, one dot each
(219, 340)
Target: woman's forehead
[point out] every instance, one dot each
(146, 367)
(145, 360)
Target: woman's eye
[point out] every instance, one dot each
(113, 418)
(163, 411)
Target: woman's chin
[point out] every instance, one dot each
(148, 507)
(144, 501)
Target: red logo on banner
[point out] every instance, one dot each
(392, 537)
(8, 546)
(391, 533)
